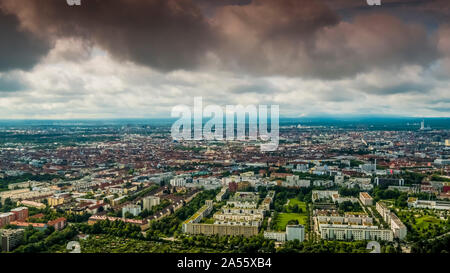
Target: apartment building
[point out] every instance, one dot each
(366, 199)
(10, 238)
(295, 182)
(135, 210)
(277, 236)
(150, 201)
(356, 232)
(295, 232)
(384, 211)
(58, 224)
(221, 195)
(396, 225)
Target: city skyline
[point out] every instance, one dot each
(138, 59)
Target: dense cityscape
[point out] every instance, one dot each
(90, 187)
(224, 135)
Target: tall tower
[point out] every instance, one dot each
(422, 125)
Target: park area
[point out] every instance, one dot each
(424, 223)
(295, 210)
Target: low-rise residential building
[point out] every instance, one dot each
(32, 204)
(274, 235)
(426, 204)
(58, 224)
(54, 201)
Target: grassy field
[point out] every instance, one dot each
(283, 218)
(426, 221)
(295, 201)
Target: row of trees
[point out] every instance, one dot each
(49, 240)
(237, 244)
(400, 198)
(115, 228)
(440, 245)
(283, 194)
(7, 180)
(323, 246)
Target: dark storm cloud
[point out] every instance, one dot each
(19, 49)
(210, 6)
(165, 34)
(296, 38)
(307, 38)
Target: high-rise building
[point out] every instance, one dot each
(447, 142)
(135, 210)
(150, 201)
(295, 232)
(178, 182)
(10, 238)
(422, 126)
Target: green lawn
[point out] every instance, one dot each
(295, 201)
(284, 218)
(426, 221)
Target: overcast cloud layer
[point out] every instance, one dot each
(139, 58)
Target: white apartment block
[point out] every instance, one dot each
(295, 181)
(277, 236)
(425, 204)
(295, 232)
(384, 211)
(135, 210)
(317, 195)
(398, 227)
(178, 182)
(355, 233)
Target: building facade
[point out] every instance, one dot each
(150, 201)
(10, 238)
(295, 232)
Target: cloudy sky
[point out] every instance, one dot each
(139, 58)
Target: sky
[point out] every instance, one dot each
(140, 58)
